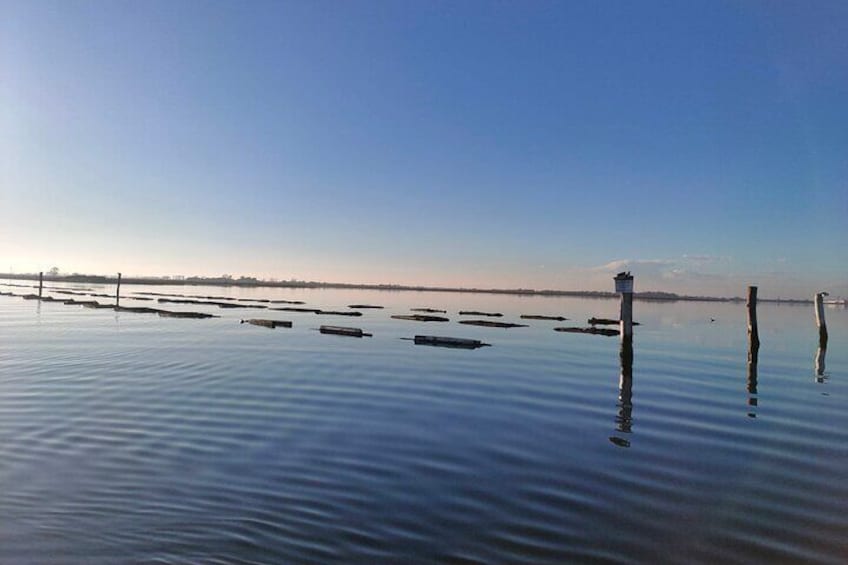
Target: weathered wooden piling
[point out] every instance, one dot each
(820, 322)
(624, 286)
(40, 283)
(118, 292)
(753, 332)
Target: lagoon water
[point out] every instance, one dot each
(129, 438)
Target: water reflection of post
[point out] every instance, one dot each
(820, 353)
(625, 387)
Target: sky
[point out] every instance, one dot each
(548, 145)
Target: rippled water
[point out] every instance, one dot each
(129, 438)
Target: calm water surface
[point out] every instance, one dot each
(129, 438)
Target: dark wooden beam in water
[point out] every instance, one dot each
(421, 318)
(539, 317)
(593, 330)
(337, 313)
(295, 309)
(268, 323)
(198, 315)
(209, 303)
(490, 324)
(451, 342)
(431, 310)
(478, 313)
(605, 322)
(365, 306)
(338, 330)
(288, 302)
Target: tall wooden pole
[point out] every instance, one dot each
(118, 292)
(40, 283)
(624, 286)
(822, 325)
(753, 332)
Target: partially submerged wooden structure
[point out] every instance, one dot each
(420, 318)
(451, 342)
(478, 313)
(591, 330)
(339, 330)
(271, 324)
(491, 324)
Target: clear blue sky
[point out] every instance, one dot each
(703, 145)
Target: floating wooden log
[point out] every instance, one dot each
(364, 306)
(268, 323)
(73, 302)
(490, 324)
(452, 342)
(337, 313)
(421, 318)
(539, 317)
(295, 309)
(138, 309)
(30, 296)
(476, 313)
(605, 322)
(288, 302)
(208, 303)
(95, 304)
(169, 314)
(338, 330)
(592, 330)
(431, 310)
(250, 300)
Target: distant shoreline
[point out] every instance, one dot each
(248, 282)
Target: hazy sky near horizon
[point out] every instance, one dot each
(702, 145)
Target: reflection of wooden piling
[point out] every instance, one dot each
(820, 353)
(624, 418)
(753, 332)
(118, 292)
(40, 283)
(820, 322)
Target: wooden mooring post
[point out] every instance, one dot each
(118, 292)
(820, 322)
(624, 286)
(40, 283)
(753, 332)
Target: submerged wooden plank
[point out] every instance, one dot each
(431, 310)
(295, 309)
(605, 322)
(169, 314)
(138, 309)
(364, 306)
(339, 330)
(452, 342)
(490, 324)
(477, 313)
(337, 313)
(592, 330)
(540, 317)
(421, 318)
(268, 323)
